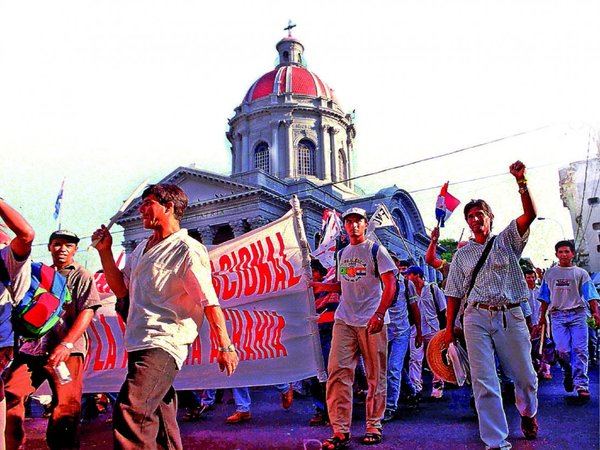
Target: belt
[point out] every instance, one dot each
(495, 307)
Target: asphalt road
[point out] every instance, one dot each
(448, 423)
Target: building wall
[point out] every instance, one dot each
(580, 193)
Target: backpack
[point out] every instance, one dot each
(38, 311)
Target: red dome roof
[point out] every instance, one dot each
(288, 79)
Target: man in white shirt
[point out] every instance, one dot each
(168, 280)
(566, 292)
(431, 301)
(359, 328)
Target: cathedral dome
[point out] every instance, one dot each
(289, 79)
(290, 76)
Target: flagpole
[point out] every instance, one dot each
(60, 206)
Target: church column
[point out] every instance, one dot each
(274, 151)
(207, 234)
(239, 154)
(334, 175)
(238, 227)
(290, 169)
(246, 156)
(257, 222)
(325, 169)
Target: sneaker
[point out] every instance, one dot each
(238, 417)
(437, 392)
(389, 415)
(568, 383)
(583, 394)
(287, 398)
(529, 427)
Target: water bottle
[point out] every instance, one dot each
(62, 373)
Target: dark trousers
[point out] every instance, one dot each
(22, 379)
(145, 415)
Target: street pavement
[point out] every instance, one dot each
(447, 423)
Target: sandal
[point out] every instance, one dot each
(337, 441)
(372, 437)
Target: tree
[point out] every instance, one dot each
(450, 245)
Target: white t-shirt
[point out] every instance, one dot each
(429, 318)
(169, 286)
(566, 288)
(361, 288)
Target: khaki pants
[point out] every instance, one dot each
(348, 342)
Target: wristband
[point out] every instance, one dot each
(523, 189)
(522, 181)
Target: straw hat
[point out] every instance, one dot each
(438, 359)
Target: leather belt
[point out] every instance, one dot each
(495, 307)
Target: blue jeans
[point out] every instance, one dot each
(145, 415)
(570, 333)
(505, 334)
(397, 348)
(241, 397)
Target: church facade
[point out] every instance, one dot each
(289, 136)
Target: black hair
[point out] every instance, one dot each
(166, 193)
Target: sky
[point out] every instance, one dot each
(109, 93)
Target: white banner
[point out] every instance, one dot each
(262, 280)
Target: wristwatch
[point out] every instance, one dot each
(230, 348)
(67, 345)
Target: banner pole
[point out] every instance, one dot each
(305, 249)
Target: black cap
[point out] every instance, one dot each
(67, 235)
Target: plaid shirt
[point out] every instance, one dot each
(500, 280)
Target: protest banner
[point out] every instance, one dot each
(262, 280)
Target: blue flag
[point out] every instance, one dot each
(59, 199)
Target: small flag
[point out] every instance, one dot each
(446, 204)
(59, 199)
(381, 218)
(325, 252)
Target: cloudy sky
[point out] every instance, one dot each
(109, 93)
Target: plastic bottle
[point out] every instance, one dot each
(62, 373)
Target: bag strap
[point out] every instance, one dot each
(374, 250)
(434, 298)
(479, 265)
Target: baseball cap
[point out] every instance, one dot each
(416, 270)
(356, 211)
(67, 235)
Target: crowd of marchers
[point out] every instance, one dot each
(378, 318)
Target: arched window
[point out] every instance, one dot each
(306, 158)
(261, 157)
(342, 167)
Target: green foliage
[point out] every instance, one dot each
(450, 246)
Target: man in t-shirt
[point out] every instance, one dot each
(168, 281)
(65, 343)
(15, 279)
(432, 302)
(367, 291)
(399, 340)
(566, 291)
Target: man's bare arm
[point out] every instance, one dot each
(114, 276)
(517, 169)
(21, 243)
(227, 361)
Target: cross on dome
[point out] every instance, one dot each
(289, 27)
